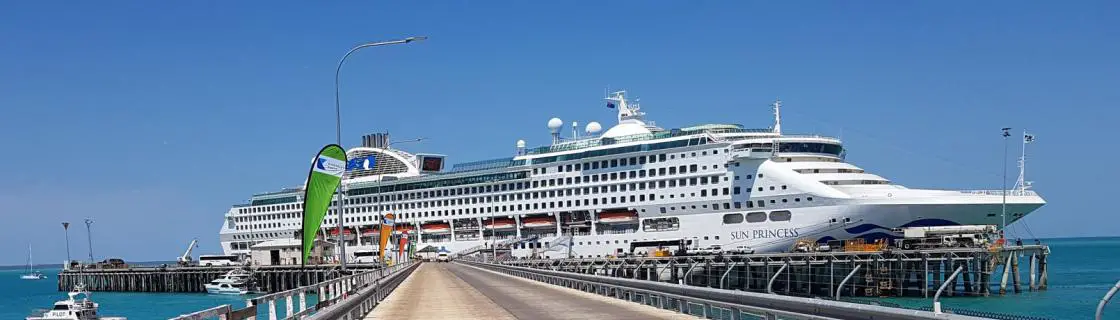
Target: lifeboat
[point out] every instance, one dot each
(500, 223)
(537, 222)
(618, 217)
(403, 228)
(334, 232)
(436, 228)
(370, 231)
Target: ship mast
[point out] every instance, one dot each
(777, 128)
(1021, 185)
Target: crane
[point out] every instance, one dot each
(185, 259)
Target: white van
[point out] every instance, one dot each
(443, 257)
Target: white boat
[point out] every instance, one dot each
(77, 307)
(714, 184)
(236, 281)
(31, 273)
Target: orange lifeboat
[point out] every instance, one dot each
(537, 222)
(500, 223)
(618, 217)
(436, 228)
(334, 232)
(403, 228)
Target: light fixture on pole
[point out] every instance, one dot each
(89, 239)
(1003, 191)
(338, 135)
(66, 231)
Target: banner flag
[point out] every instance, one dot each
(386, 230)
(322, 181)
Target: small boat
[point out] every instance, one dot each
(436, 228)
(500, 223)
(618, 217)
(236, 281)
(31, 273)
(77, 307)
(538, 222)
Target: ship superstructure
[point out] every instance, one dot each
(592, 195)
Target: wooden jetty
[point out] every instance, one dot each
(191, 279)
(883, 273)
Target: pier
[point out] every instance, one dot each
(191, 279)
(884, 273)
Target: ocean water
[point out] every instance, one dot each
(1081, 271)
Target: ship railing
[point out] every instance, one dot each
(346, 297)
(1001, 192)
(712, 303)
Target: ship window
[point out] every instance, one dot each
(614, 163)
(808, 198)
(771, 188)
(753, 217)
(661, 157)
(759, 188)
(760, 176)
(595, 165)
(761, 203)
(781, 215)
(732, 218)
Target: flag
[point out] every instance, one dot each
(1028, 138)
(402, 245)
(610, 105)
(322, 181)
(386, 231)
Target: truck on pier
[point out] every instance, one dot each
(944, 236)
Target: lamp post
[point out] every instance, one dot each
(1003, 191)
(338, 133)
(66, 231)
(89, 238)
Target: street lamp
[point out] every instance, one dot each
(1003, 232)
(89, 238)
(66, 230)
(338, 133)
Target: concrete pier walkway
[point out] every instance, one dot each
(456, 291)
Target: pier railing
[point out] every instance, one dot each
(342, 294)
(713, 303)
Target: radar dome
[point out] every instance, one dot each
(520, 143)
(554, 124)
(594, 127)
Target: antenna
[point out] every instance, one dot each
(575, 132)
(777, 116)
(1021, 184)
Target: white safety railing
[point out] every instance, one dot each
(328, 294)
(711, 303)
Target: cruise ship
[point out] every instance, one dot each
(592, 194)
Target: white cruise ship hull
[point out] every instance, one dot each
(716, 185)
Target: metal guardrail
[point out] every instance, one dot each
(331, 293)
(364, 300)
(713, 303)
(1104, 300)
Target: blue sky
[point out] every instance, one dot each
(154, 118)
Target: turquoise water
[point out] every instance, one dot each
(1081, 271)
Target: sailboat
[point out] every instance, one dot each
(31, 273)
